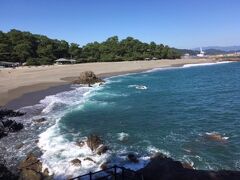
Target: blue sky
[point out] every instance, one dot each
(178, 23)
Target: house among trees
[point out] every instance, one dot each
(65, 61)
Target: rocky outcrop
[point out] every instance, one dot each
(88, 77)
(7, 125)
(102, 149)
(31, 168)
(94, 141)
(164, 168)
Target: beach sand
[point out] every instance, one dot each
(19, 81)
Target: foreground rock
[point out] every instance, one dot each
(88, 77)
(6, 174)
(31, 168)
(7, 125)
(161, 167)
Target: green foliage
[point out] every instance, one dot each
(18, 46)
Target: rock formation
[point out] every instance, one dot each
(88, 77)
(31, 168)
(7, 125)
(94, 141)
(161, 167)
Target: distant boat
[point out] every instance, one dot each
(201, 54)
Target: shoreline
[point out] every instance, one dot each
(11, 95)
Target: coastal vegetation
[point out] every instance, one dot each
(33, 49)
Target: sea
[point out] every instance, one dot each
(167, 110)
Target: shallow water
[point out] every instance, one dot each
(166, 110)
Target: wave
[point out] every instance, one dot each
(140, 87)
(205, 64)
(123, 136)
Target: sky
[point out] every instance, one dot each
(177, 23)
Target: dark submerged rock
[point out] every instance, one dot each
(103, 166)
(132, 157)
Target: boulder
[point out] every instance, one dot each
(93, 142)
(87, 77)
(76, 162)
(132, 158)
(103, 166)
(31, 168)
(101, 149)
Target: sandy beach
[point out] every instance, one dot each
(19, 81)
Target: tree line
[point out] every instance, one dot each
(33, 49)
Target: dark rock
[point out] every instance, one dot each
(158, 155)
(13, 126)
(93, 142)
(101, 149)
(89, 159)
(9, 113)
(76, 162)
(133, 158)
(168, 169)
(87, 77)
(103, 166)
(5, 174)
(41, 120)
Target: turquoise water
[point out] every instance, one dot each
(168, 111)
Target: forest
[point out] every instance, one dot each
(34, 49)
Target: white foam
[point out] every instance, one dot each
(123, 136)
(140, 87)
(153, 150)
